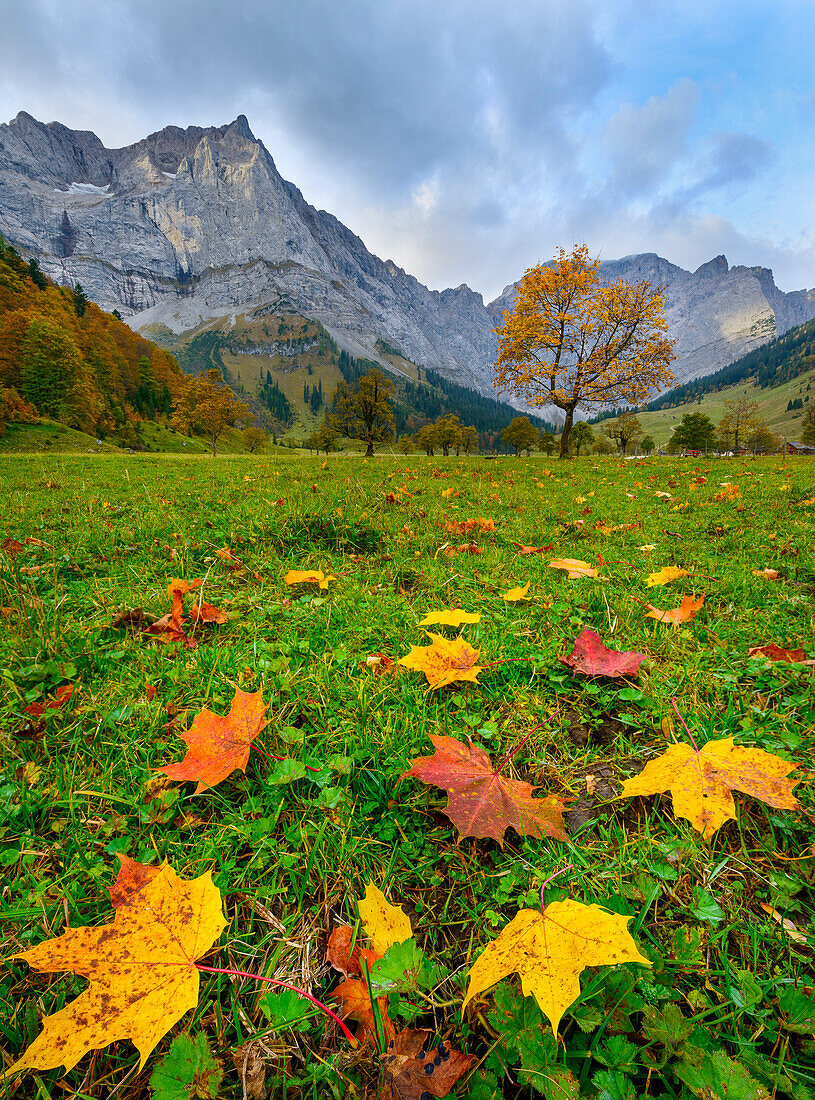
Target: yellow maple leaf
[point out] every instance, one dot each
(308, 576)
(451, 492)
(702, 782)
(573, 567)
(649, 546)
(666, 575)
(443, 662)
(449, 618)
(385, 924)
(514, 595)
(141, 971)
(550, 950)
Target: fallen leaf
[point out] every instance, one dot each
(61, 697)
(206, 613)
(355, 1004)
(729, 492)
(774, 652)
(464, 526)
(785, 923)
(767, 574)
(132, 878)
(515, 595)
(217, 746)
(451, 492)
(412, 1072)
(666, 575)
(380, 663)
(550, 950)
(385, 924)
(702, 782)
(308, 576)
(522, 550)
(686, 611)
(341, 955)
(444, 661)
(248, 1061)
(481, 801)
(141, 972)
(449, 618)
(11, 547)
(573, 567)
(648, 548)
(591, 658)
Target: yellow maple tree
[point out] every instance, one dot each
(571, 342)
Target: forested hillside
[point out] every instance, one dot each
(63, 358)
(771, 365)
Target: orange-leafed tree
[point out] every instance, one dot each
(571, 342)
(207, 406)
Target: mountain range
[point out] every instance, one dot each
(195, 227)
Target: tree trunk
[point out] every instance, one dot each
(567, 431)
(370, 452)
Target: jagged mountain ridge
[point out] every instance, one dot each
(193, 224)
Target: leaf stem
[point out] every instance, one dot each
(283, 985)
(267, 756)
(684, 723)
(545, 883)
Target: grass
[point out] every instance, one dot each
(728, 1003)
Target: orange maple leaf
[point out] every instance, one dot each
(481, 801)
(217, 746)
(702, 781)
(686, 611)
(141, 971)
(444, 661)
(774, 652)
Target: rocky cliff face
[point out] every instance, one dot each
(191, 224)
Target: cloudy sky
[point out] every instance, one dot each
(467, 139)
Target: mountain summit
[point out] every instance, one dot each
(191, 224)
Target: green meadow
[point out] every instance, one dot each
(726, 1008)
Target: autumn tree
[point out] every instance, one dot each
(447, 429)
(547, 443)
(405, 445)
(622, 431)
(324, 439)
(254, 439)
(572, 343)
(647, 444)
(364, 413)
(521, 434)
(739, 420)
(763, 441)
(207, 406)
(582, 436)
(695, 432)
(13, 408)
(427, 439)
(808, 427)
(467, 440)
(50, 365)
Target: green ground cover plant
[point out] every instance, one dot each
(726, 1006)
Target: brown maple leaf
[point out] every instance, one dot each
(481, 801)
(444, 661)
(591, 658)
(217, 746)
(61, 697)
(413, 1071)
(523, 550)
(702, 781)
(774, 652)
(355, 1004)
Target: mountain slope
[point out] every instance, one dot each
(71, 360)
(191, 225)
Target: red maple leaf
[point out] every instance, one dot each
(591, 658)
(481, 801)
